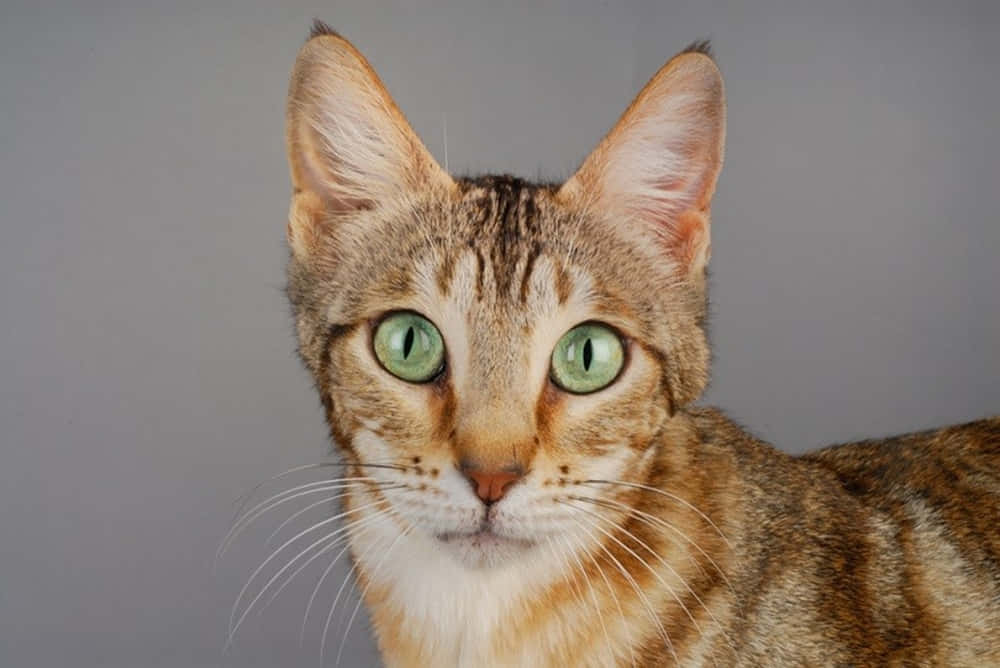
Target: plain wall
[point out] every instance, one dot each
(147, 373)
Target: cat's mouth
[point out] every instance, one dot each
(484, 546)
(484, 535)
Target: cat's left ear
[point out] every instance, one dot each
(656, 170)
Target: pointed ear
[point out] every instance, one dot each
(349, 147)
(657, 168)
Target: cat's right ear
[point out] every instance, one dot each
(349, 147)
(655, 172)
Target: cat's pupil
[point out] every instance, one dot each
(408, 342)
(588, 355)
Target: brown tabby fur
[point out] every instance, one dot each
(710, 547)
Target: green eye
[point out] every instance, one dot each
(409, 346)
(587, 358)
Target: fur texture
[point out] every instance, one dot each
(643, 531)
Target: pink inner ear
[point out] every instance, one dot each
(670, 183)
(687, 240)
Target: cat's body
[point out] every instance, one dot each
(520, 497)
(883, 553)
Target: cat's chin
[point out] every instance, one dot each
(484, 548)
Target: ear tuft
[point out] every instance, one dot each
(319, 28)
(702, 46)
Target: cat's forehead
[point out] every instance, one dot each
(506, 214)
(500, 254)
(498, 249)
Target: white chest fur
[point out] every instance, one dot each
(459, 616)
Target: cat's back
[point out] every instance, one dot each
(954, 470)
(936, 497)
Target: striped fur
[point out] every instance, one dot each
(646, 531)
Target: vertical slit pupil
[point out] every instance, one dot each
(408, 342)
(588, 355)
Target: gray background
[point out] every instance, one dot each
(147, 375)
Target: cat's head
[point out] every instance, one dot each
(498, 343)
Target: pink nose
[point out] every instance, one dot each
(490, 486)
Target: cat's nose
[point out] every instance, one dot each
(491, 485)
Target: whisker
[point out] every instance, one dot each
(235, 627)
(614, 596)
(357, 525)
(312, 597)
(361, 598)
(314, 487)
(643, 561)
(329, 499)
(635, 585)
(244, 498)
(648, 567)
(560, 555)
(274, 555)
(291, 518)
(668, 495)
(308, 485)
(331, 536)
(647, 517)
(643, 517)
(336, 599)
(351, 527)
(593, 596)
(670, 589)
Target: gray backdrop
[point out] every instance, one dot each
(147, 375)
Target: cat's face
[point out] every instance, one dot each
(485, 348)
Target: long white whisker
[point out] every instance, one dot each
(276, 500)
(312, 597)
(361, 598)
(329, 499)
(635, 585)
(560, 556)
(336, 599)
(644, 517)
(332, 536)
(297, 488)
(291, 518)
(274, 554)
(244, 498)
(663, 561)
(593, 596)
(614, 596)
(352, 527)
(659, 521)
(668, 495)
(648, 522)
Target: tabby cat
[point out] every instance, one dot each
(508, 369)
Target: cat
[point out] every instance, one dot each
(508, 370)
